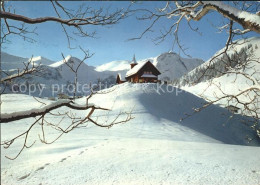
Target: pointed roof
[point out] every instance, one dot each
(138, 67)
(134, 60)
(135, 69)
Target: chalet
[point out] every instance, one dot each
(140, 73)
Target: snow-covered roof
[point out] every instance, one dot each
(120, 77)
(135, 69)
(148, 76)
(119, 74)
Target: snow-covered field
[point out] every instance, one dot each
(153, 148)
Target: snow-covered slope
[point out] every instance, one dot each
(195, 150)
(170, 64)
(234, 82)
(220, 64)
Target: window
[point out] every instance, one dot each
(140, 80)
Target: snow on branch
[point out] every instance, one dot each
(29, 68)
(247, 20)
(74, 121)
(8, 117)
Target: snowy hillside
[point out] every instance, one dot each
(233, 83)
(203, 149)
(170, 64)
(220, 63)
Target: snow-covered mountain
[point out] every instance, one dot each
(230, 82)
(41, 61)
(56, 74)
(170, 64)
(11, 62)
(86, 73)
(217, 65)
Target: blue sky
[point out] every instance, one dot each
(112, 43)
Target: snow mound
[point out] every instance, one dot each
(160, 106)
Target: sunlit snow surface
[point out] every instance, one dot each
(153, 148)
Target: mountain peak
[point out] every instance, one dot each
(39, 60)
(68, 59)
